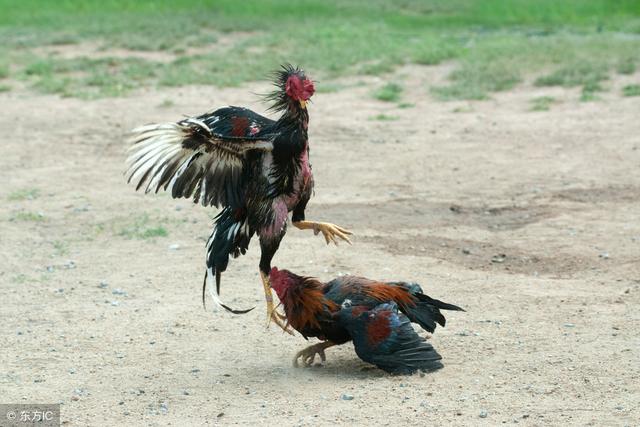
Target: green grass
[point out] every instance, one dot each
(542, 103)
(626, 66)
(28, 217)
(384, 118)
(465, 109)
(391, 92)
(141, 227)
(631, 90)
(329, 87)
(24, 194)
(20, 279)
(167, 103)
(4, 70)
(496, 42)
(578, 74)
(60, 247)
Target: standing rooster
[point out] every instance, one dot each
(377, 316)
(255, 169)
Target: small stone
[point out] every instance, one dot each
(174, 247)
(346, 397)
(569, 325)
(115, 303)
(483, 414)
(466, 251)
(499, 259)
(72, 371)
(51, 268)
(75, 398)
(70, 264)
(118, 291)
(604, 255)
(185, 392)
(164, 408)
(103, 284)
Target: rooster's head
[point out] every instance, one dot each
(283, 280)
(294, 89)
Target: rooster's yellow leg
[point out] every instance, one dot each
(329, 231)
(308, 355)
(272, 314)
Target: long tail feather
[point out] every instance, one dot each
(215, 294)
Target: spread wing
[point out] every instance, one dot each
(201, 156)
(384, 337)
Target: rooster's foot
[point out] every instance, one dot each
(308, 355)
(330, 231)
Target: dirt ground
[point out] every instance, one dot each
(528, 220)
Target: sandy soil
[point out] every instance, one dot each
(529, 220)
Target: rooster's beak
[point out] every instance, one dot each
(303, 104)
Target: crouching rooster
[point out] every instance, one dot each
(256, 170)
(376, 316)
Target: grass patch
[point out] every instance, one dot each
(28, 217)
(20, 279)
(433, 53)
(501, 39)
(329, 87)
(405, 105)
(142, 228)
(590, 90)
(89, 78)
(626, 66)
(466, 109)
(384, 118)
(5, 88)
(4, 70)
(390, 92)
(542, 103)
(60, 247)
(575, 75)
(376, 68)
(631, 90)
(167, 103)
(24, 194)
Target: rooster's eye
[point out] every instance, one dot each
(346, 303)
